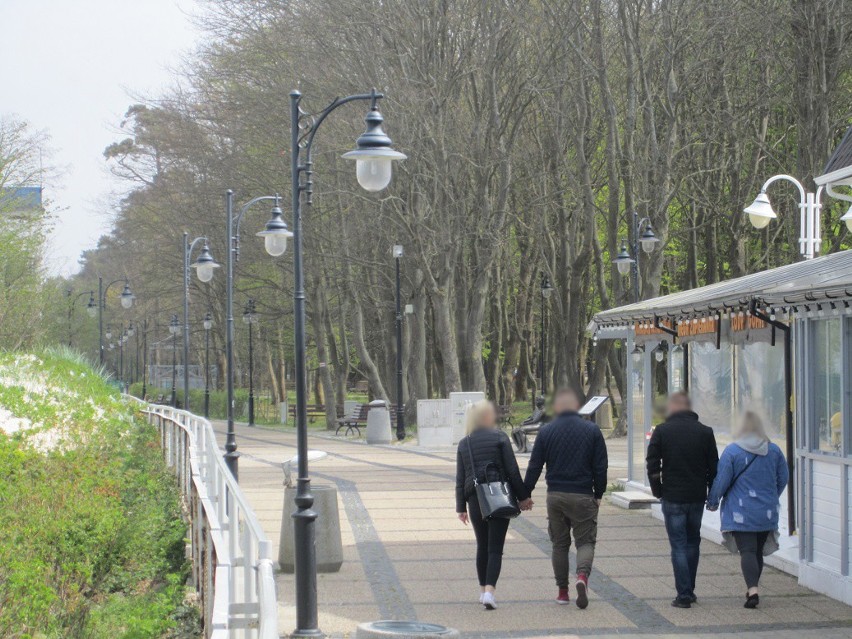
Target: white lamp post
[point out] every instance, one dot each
(760, 214)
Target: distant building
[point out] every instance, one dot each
(20, 198)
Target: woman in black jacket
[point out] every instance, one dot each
(486, 443)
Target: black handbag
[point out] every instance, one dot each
(495, 498)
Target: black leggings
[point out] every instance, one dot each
(750, 545)
(490, 537)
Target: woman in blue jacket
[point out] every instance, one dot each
(751, 477)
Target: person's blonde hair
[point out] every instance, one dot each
(475, 413)
(751, 424)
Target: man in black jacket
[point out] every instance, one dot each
(575, 454)
(682, 460)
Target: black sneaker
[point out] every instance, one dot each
(752, 602)
(677, 602)
(693, 599)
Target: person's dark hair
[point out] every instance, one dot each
(682, 398)
(566, 395)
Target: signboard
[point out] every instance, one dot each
(592, 405)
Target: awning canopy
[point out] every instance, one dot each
(815, 283)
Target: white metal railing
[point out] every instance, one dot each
(232, 567)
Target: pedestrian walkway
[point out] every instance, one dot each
(406, 556)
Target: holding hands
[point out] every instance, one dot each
(526, 504)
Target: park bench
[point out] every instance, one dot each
(504, 416)
(314, 411)
(358, 417)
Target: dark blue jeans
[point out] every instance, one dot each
(683, 525)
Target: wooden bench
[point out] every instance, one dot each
(314, 411)
(352, 423)
(504, 416)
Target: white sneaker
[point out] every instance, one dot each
(481, 596)
(488, 601)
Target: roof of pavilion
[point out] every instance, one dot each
(807, 283)
(839, 165)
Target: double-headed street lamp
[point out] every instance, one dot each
(204, 267)
(250, 318)
(174, 329)
(641, 233)
(126, 299)
(760, 213)
(208, 324)
(546, 292)
(275, 235)
(400, 408)
(374, 159)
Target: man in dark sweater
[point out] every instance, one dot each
(574, 451)
(682, 459)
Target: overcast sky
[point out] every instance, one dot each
(70, 67)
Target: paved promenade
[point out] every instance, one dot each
(408, 557)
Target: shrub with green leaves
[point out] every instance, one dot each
(93, 538)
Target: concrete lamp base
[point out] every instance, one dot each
(328, 542)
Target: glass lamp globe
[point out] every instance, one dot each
(205, 265)
(623, 262)
(276, 233)
(91, 308)
(127, 297)
(648, 239)
(760, 212)
(130, 330)
(108, 334)
(208, 324)
(204, 272)
(373, 154)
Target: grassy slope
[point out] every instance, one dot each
(92, 542)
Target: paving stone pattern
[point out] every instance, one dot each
(406, 556)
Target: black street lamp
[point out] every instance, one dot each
(208, 324)
(641, 232)
(546, 292)
(250, 317)
(374, 158)
(400, 408)
(145, 359)
(204, 267)
(275, 236)
(121, 339)
(126, 298)
(174, 328)
(91, 308)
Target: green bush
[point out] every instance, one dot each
(93, 538)
(218, 400)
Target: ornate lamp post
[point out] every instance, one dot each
(250, 318)
(641, 233)
(275, 236)
(546, 292)
(174, 328)
(400, 409)
(126, 298)
(208, 324)
(91, 309)
(204, 267)
(374, 159)
(144, 359)
(760, 213)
